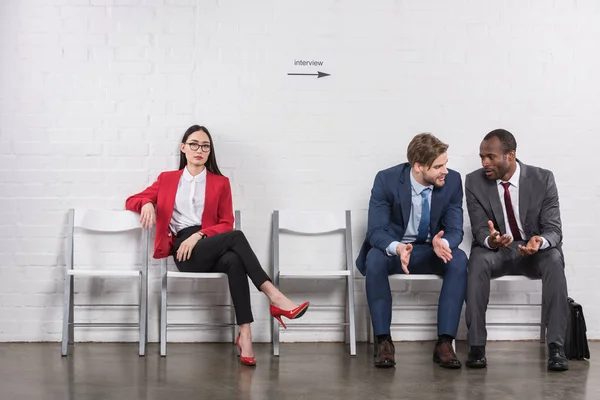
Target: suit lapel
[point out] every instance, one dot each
(494, 197)
(171, 190)
(404, 194)
(209, 196)
(524, 191)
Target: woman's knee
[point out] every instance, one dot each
(231, 262)
(237, 236)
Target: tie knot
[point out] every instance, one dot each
(506, 185)
(425, 192)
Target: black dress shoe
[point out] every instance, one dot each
(385, 354)
(476, 357)
(444, 354)
(557, 360)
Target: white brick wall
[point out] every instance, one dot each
(95, 94)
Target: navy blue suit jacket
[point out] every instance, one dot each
(390, 204)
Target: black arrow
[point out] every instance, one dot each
(319, 74)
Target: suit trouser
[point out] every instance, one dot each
(229, 253)
(423, 260)
(548, 265)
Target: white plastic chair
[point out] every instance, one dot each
(431, 277)
(107, 221)
(316, 223)
(164, 306)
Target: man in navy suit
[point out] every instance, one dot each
(415, 226)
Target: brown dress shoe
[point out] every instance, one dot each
(444, 354)
(385, 354)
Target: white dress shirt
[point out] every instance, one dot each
(189, 201)
(513, 189)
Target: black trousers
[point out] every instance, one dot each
(229, 253)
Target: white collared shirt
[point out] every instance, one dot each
(189, 201)
(513, 189)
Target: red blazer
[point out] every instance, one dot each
(217, 216)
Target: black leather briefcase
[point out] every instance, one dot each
(576, 343)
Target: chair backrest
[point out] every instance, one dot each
(312, 223)
(107, 221)
(237, 224)
(315, 222)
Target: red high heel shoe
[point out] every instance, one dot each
(248, 361)
(297, 312)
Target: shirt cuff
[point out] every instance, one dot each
(545, 243)
(485, 242)
(391, 249)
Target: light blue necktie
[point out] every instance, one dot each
(424, 223)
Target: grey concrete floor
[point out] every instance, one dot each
(101, 371)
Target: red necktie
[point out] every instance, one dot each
(512, 221)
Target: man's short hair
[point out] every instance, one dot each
(424, 149)
(507, 140)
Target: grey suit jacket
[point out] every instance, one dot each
(538, 205)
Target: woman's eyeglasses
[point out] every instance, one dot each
(195, 146)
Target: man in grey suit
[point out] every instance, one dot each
(515, 220)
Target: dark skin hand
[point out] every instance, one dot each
(532, 246)
(496, 240)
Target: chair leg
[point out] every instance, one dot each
(374, 343)
(347, 313)
(143, 314)
(543, 324)
(370, 335)
(368, 325)
(234, 327)
(352, 324)
(163, 311)
(66, 315)
(275, 327)
(72, 312)
(275, 337)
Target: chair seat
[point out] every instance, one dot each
(103, 272)
(425, 277)
(514, 278)
(310, 274)
(196, 275)
(416, 277)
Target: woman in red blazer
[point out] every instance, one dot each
(193, 212)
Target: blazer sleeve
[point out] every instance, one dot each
(380, 207)
(477, 215)
(224, 212)
(452, 220)
(149, 195)
(550, 223)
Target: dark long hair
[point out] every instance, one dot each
(211, 162)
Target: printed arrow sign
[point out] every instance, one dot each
(319, 74)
